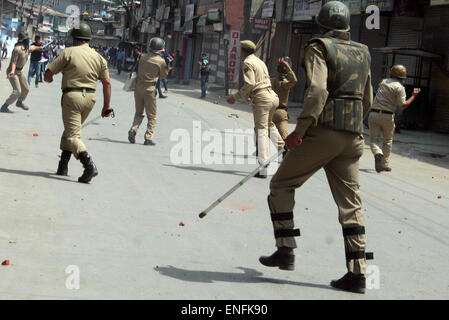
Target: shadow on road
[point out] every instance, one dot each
(111, 140)
(248, 276)
(48, 175)
(368, 171)
(234, 172)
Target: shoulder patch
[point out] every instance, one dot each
(246, 70)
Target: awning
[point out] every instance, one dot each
(415, 52)
(44, 31)
(61, 29)
(202, 21)
(96, 36)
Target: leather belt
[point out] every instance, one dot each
(282, 107)
(88, 90)
(381, 111)
(19, 69)
(258, 90)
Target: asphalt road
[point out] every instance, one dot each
(122, 232)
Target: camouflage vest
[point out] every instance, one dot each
(348, 65)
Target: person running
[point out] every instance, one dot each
(5, 48)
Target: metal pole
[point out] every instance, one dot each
(1, 12)
(241, 183)
(21, 15)
(269, 42)
(226, 43)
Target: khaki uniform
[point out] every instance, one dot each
(151, 67)
(18, 82)
(264, 101)
(282, 88)
(331, 127)
(391, 93)
(81, 67)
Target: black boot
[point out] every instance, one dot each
(90, 170)
(19, 104)
(149, 143)
(63, 169)
(132, 136)
(282, 258)
(351, 282)
(5, 109)
(260, 176)
(378, 162)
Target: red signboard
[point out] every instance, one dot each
(262, 24)
(234, 57)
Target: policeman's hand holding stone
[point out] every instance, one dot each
(416, 91)
(106, 112)
(293, 140)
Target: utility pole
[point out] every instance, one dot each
(21, 15)
(1, 13)
(226, 44)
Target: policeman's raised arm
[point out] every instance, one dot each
(409, 102)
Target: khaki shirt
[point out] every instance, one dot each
(316, 94)
(19, 57)
(391, 94)
(282, 87)
(151, 67)
(255, 77)
(81, 67)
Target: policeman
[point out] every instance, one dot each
(328, 135)
(391, 93)
(151, 67)
(82, 67)
(264, 101)
(285, 80)
(15, 74)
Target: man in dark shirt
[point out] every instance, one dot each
(36, 56)
(178, 66)
(204, 72)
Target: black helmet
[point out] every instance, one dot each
(83, 32)
(157, 45)
(23, 35)
(334, 15)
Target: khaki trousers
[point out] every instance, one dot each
(264, 105)
(338, 152)
(20, 88)
(76, 107)
(280, 119)
(146, 102)
(380, 123)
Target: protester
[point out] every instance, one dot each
(35, 61)
(178, 66)
(120, 60)
(204, 72)
(5, 48)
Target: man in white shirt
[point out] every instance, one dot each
(59, 49)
